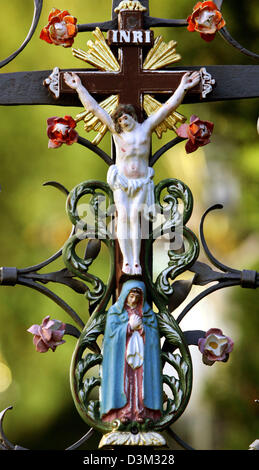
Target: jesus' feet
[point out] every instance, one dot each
(137, 269)
(126, 268)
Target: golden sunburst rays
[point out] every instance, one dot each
(101, 56)
(161, 54)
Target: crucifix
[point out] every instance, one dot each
(131, 51)
(131, 177)
(129, 67)
(140, 96)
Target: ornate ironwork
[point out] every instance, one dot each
(167, 293)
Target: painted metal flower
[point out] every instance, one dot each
(215, 346)
(61, 131)
(48, 335)
(198, 133)
(61, 28)
(206, 19)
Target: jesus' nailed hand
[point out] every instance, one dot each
(131, 179)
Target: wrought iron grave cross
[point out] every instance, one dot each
(131, 73)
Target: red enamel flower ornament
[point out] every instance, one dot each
(206, 19)
(198, 133)
(61, 28)
(61, 131)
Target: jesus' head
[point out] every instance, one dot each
(124, 117)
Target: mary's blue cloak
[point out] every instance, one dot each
(114, 344)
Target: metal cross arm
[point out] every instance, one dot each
(25, 88)
(229, 82)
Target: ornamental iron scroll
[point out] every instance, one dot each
(173, 200)
(180, 387)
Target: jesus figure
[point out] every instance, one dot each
(131, 178)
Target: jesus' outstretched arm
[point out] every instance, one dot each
(189, 80)
(90, 104)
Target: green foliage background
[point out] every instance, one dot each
(34, 223)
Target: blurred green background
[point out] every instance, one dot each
(222, 413)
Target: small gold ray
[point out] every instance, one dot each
(100, 135)
(99, 54)
(161, 54)
(151, 105)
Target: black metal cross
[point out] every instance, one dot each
(130, 83)
(25, 88)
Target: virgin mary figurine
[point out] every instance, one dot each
(131, 373)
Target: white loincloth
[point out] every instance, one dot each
(131, 185)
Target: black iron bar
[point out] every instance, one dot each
(82, 440)
(86, 143)
(203, 294)
(164, 149)
(44, 290)
(35, 21)
(178, 439)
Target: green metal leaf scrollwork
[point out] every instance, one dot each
(187, 251)
(178, 263)
(83, 383)
(180, 259)
(98, 295)
(96, 234)
(179, 365)
(87, 354)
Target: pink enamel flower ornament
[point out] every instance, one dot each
(215, 346)
(48, 335)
